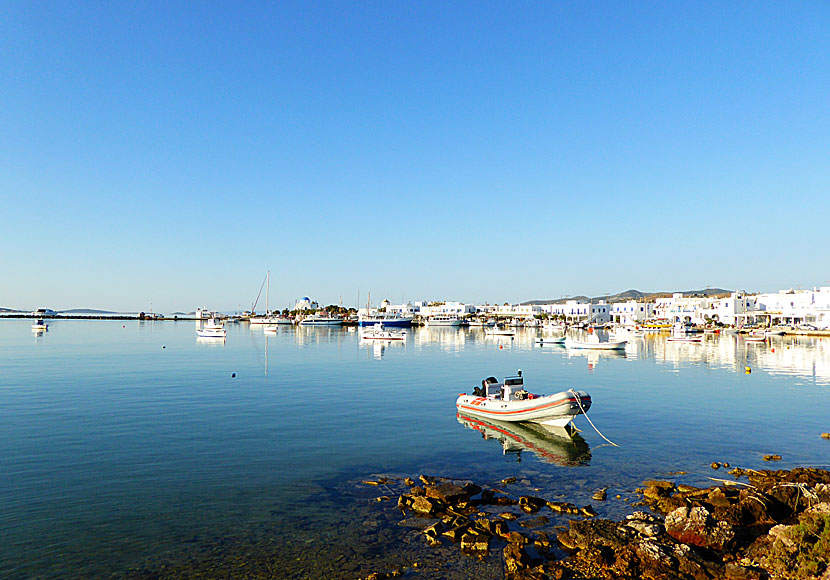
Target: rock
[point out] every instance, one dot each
(695, 526)
(717, 497)
(516, 558)
(424, 505)
(428, 480)
(654, 555)
(456, 532)
(715, 465)
(473, 542)
(531, 504)
(588, 511)
(537, 522)
(825, 435)
(517, 538)
(409, 482)
(509, 480)
(563, 507)
(435, 529)
(448, 493)
(772, 458)
(600, 495)
(509, 516)
(542, 542)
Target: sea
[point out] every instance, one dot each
(133, 449)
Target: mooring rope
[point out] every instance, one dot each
(579, 402)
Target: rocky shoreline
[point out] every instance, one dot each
(759, 525)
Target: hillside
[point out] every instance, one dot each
(633, 295)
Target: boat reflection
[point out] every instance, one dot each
(550, 445)
(377, 348)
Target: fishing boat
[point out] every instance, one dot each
(680, 333)
(378, 332)
(39, 325)
(211, 329)
(555, 340)
(509, 401)
(593, 342)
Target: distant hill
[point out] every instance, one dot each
(634, 295)
(87, 311)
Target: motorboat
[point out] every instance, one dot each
(386, 319)
(319, 320)
(444, 320)
(593, 342)
(509, 401)
(378, 332)
(39, 325)
(270, 320)
(499, 331)
(775, 332)
(680, 333)
(756, 336)
(553, 446)
(212, 329)
(554, 340)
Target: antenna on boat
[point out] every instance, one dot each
(519, 372)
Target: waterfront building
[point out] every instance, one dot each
(444, 308)
(796, 307)
(631, 313)
(575, 311)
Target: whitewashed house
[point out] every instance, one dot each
(631, 313)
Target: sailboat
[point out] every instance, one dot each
(269, 317)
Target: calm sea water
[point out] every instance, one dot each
(123, 444)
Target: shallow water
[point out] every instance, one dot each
(125, 444)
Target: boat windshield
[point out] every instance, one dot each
(511, 381)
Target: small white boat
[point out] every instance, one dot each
(757, 336)
(509, 401)
(444, 320)
(680, 333)
(212, 329)
(378, 332)
(555, 340)
(594, 343)
(499, 331)
(775, 332)
(39, 325)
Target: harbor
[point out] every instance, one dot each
(238, 449)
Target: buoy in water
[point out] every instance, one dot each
(748, 370)
(233, 375)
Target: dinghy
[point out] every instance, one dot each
(557, 340)
(509, 401)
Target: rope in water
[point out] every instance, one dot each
(579, 402)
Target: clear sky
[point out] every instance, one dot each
(166, 154)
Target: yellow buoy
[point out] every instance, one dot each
(748, 370)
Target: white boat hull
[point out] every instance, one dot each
(555, 410)
(610, 345)
(560, 340)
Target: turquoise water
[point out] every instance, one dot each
(122, 443)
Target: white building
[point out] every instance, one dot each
(796, 307)
(444, 308)
(631, 313)
(306, 303)
(575, 311)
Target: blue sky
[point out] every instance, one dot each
(168, 154)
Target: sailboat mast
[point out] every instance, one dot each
(267, 292)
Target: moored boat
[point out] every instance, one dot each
(444, 320)
(318, 320)
(499, 331)
(386, 319)
(554, 340)
(378, 332)
(211, 329)
(39, 325)
(594, 343)
(509, 401)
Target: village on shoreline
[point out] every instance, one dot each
(793, 310)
